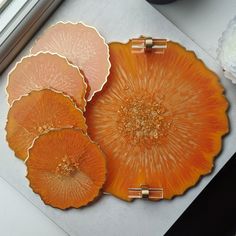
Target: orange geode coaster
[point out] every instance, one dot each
(46, 71)
(37, 113)
(66, 168)
(83, 46)
(159, 119)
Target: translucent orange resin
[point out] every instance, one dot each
(46, 71)
(83, 46)
(66, 168)
(37, 113)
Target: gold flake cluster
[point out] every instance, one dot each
(143, 120)
(66, 167)
(44, 128)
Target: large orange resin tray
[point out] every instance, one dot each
(159, 119)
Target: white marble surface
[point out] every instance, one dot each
(203, 21)
(18, 217)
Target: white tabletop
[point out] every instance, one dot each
(203, 21)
